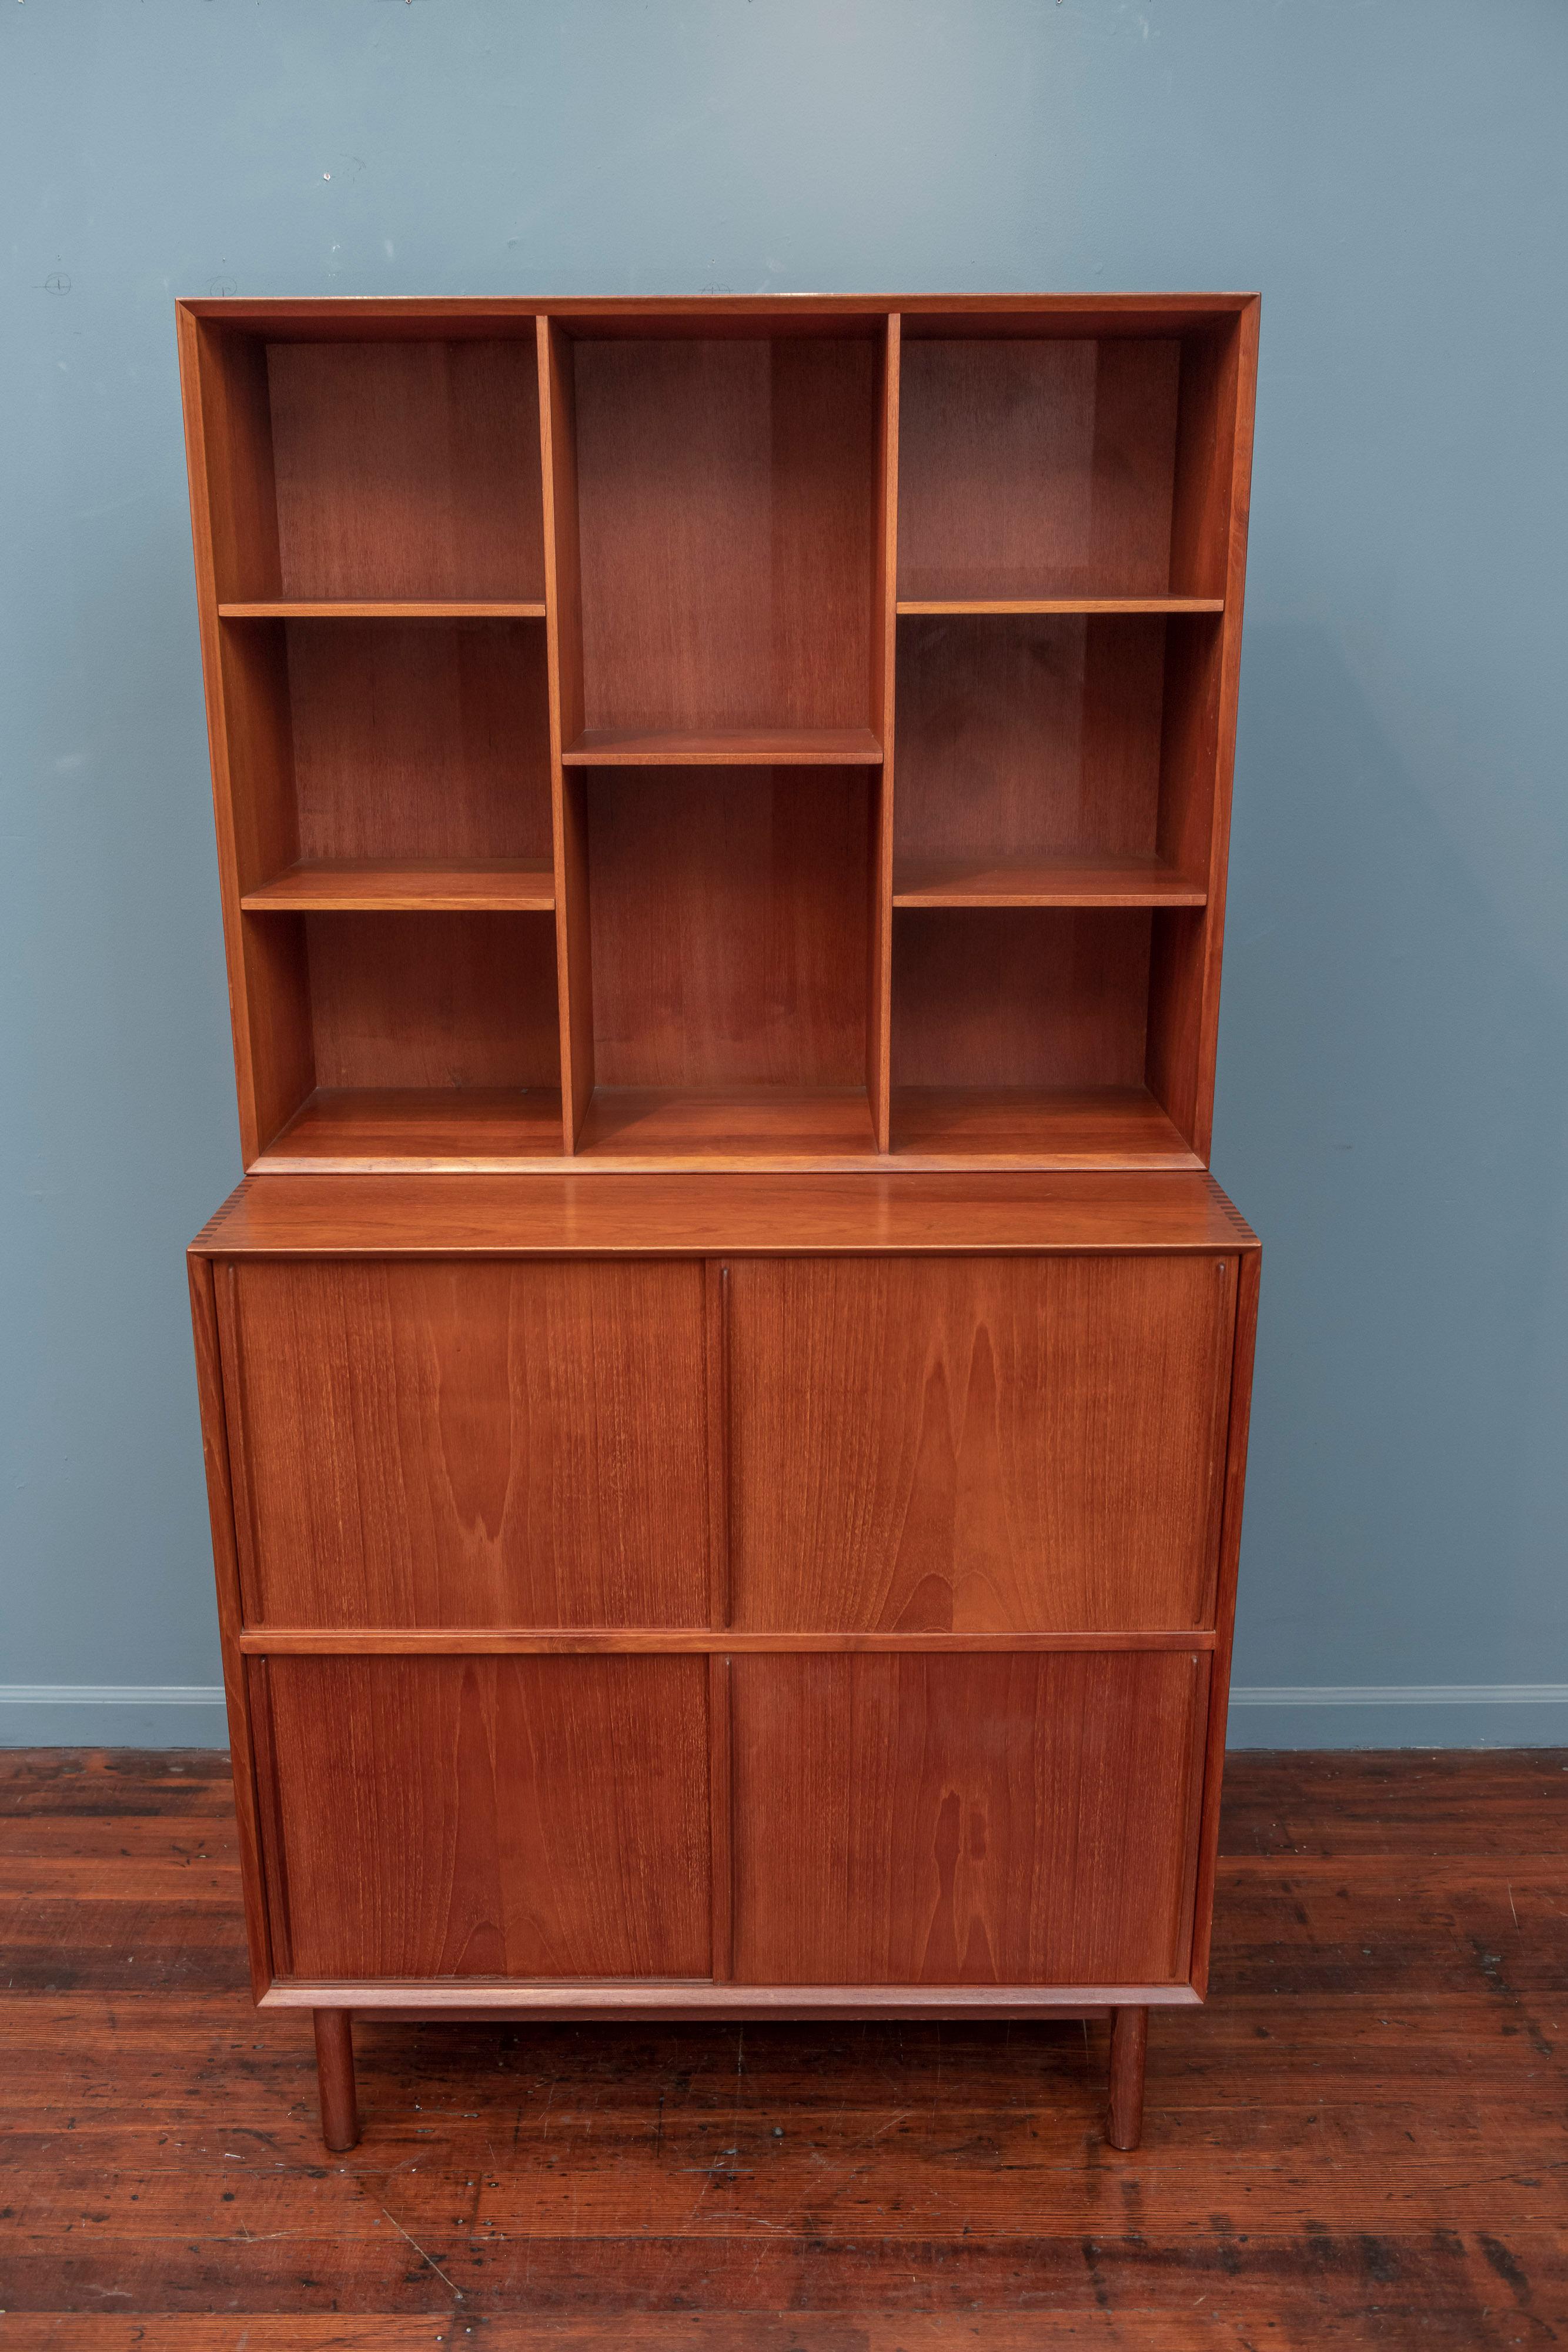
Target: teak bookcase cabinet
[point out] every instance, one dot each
(724, 1387)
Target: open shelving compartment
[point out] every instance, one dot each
(1068, 554)
(717, 491)
(748, 732)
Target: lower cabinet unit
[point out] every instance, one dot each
(749, 1597)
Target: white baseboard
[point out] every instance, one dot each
(111, 1694)
(1399, 1695)
(1281, 1715)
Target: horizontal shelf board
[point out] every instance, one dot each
(1011, 1126)
(343, 609)
(1102, 605)
(671, 1126)
(1045, 881)
(762, 747)
(407, 1129)
(664, 1997)
(426, 885)
(463, 1641)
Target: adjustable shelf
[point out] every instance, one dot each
(779, 734)
(1024, 603)
(430, 885)
(346, 608)
(778, 747)
(1087, 880)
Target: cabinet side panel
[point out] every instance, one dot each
(482, 1444)
(527, 1817)
(225, 1565)
(963, 1819)
(980, 1445)
(1241, 1410)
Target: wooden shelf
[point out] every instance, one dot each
(646, 1127)
(1060, 881)
(1011, 1127)
(371, 1130)
(283, 608)
(747, 747)
(1097, 604)
(426, 886)
(990, 520)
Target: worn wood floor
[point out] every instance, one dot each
(1360, 2142)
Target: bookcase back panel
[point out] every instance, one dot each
(437, 1001)
(407, 469)
(1023, 733)
(1028, 997)
(1036, 469)
(724, 502)
(420, 739)
(730, 925)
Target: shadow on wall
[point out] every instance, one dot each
(1391, 1120)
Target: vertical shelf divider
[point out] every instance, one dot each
(883, 656)
(568, 792)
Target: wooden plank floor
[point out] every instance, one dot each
(1360, 2142)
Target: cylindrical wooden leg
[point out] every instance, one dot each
(335, 2078)
(1129, 2041)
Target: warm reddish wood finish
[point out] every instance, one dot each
(720, 508)
(485, 1835)
(978, 1444)
(1129, 2049)
(729, 929)
(1036, 469)
(999, 1820)
(406, 470)
(798, 1575)
(725, 515)
(723, 1216)
(335, 2079)
(477, 884)
(471, 1444)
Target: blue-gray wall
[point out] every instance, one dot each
(1392, 174)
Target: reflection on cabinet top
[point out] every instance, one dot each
(702, 1215)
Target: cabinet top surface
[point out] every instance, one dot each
(1133, 312)
(696, 1215)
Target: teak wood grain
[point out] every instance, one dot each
(949, 1821)
(406, 470)
(773, 753)
(718, 1216)
(729, 926)
(718, 513)
(725, 514)
(980, 1444)
(484, 1835)
(1036, 469)
(473, 1444)
(420, 739)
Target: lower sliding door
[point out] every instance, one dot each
(486, 1816)
(974, 1818)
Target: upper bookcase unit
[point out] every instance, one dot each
(754, 732)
